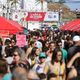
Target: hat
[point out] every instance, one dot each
(76, 38)
(9, 60)
(42, 54)
(38, 44)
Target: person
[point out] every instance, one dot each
(4, 74)
(52, 45)
(18, 59)
(40, 66)
(74, 72)
(48, 54)
(64, 52)
(5, 44)
(33, 57)
(75, 48)
(29, 49)
(0, 48)
(46, 44)
(55, 69)
(32, 75)
(13, 42)
(19, 73)
(8, 49)
(39, 45)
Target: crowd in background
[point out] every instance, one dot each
(48, 55)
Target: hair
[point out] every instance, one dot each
(1, 42)
(3, 66)
(32, 42)
(20, 52)
(33, 51)
(51, 75)
(33, 75)
(45, 49)
(17, 49)
(7, 42)
(57, 43)
(19, 73)
(53, 42)
(42, 76)
(13, 40)
(54, 55)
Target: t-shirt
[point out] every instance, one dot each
(7, 76)
(72, 51)
(64, 54)
(39, 68)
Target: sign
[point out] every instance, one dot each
(21, 40)
(51, 16)
(4, 34)
(35, 16)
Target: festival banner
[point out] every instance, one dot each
(35, 16)
(51, 16)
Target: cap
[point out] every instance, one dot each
(42, 54)
(76, 38)
(38, 44)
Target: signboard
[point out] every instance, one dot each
(21, 40)
(35, 16)
(42, 16)
(4, 34)
(51, 16)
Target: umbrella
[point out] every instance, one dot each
(10, 26)
(72, 25)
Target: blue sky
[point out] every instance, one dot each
(73, 4)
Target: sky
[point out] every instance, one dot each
(73, 4)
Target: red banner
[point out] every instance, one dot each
(35, 16)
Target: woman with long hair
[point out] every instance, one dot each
(19, 59)
(55, 69)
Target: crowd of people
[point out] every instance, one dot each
(49, 55)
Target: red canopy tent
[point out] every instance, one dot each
(10, 26)
(72, 25)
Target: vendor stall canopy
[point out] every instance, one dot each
(10, 26)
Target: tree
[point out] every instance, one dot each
(61, 1)
(41, 1)
(13, 2)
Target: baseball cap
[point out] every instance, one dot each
(42, 54)
(38, 44)
(76, 38)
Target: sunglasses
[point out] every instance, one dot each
(33, 79)
(41, 57)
